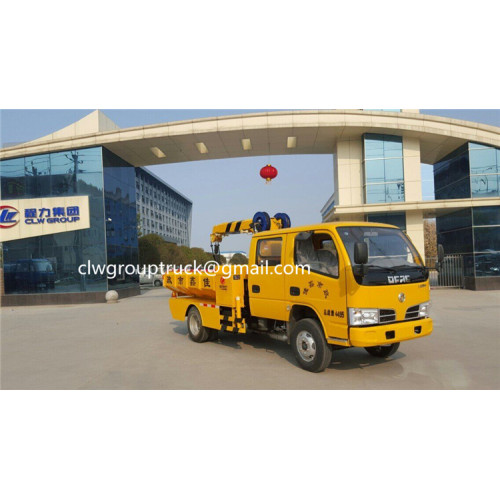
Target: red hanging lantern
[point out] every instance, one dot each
(268, 172)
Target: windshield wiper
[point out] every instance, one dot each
(395, 268)
(408, 266)
(381, 267)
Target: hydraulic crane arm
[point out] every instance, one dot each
(227, 228)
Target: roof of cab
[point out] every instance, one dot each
(315, 227)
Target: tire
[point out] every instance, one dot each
(383, 351)
(196, 331)
(309, 345)
(157, 283)
(213, 334)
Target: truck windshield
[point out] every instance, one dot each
(390, 252)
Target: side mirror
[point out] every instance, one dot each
(440, 254)
(361, 253)
(440, 258)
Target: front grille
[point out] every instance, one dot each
(412, 312)
(387, 315)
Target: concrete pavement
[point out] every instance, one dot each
(135, 344)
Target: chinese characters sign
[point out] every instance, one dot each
(27, 218)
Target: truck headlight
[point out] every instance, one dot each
(359, 317)
(423, 310)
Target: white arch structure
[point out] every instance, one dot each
(315, 132)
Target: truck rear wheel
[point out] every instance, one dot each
(383, 351)
(196, 331)
(309, 345)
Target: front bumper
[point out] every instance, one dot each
(369, 336)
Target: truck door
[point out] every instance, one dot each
(323, 288)
(266, 289)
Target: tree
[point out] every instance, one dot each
(149, 249)
(430, 238)
(200, 256)
(153, 249)
(171, 254)
(238, 258)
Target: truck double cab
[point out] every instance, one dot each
(320, 288)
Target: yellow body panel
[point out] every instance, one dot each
(326, 295)
(386, 297)
(191, 284)
(266, 289)
(209, 311)
(180, 305)
(369, 336)
(208, 294)
(224, 291)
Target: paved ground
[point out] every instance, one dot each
(135, 344)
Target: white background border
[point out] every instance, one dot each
(249, 444)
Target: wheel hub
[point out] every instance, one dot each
(194, 325)
(306, 346)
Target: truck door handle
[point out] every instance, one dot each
(295, 291)
(255, 289)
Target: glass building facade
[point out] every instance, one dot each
(109, 183)
(474, 233)
(383, 168)
(471, 171)
(484, 170)
(121, 217)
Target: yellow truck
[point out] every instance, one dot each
(320, 288)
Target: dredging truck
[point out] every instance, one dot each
(320, 288)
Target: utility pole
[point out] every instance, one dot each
(76, 162)
(78, 239)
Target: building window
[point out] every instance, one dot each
(474, 233)
(383, 168)
(471, 171)
(395, 219)
(484, 170)
(486, 229)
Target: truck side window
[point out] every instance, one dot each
(319, 253)
(269, 251)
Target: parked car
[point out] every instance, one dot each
(9, 269)
(488, 264)
(30, 275)
(150, 279)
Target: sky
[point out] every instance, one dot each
(230, 189)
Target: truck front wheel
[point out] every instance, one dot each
(309, 345)
(196, 331)
(383, 351)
